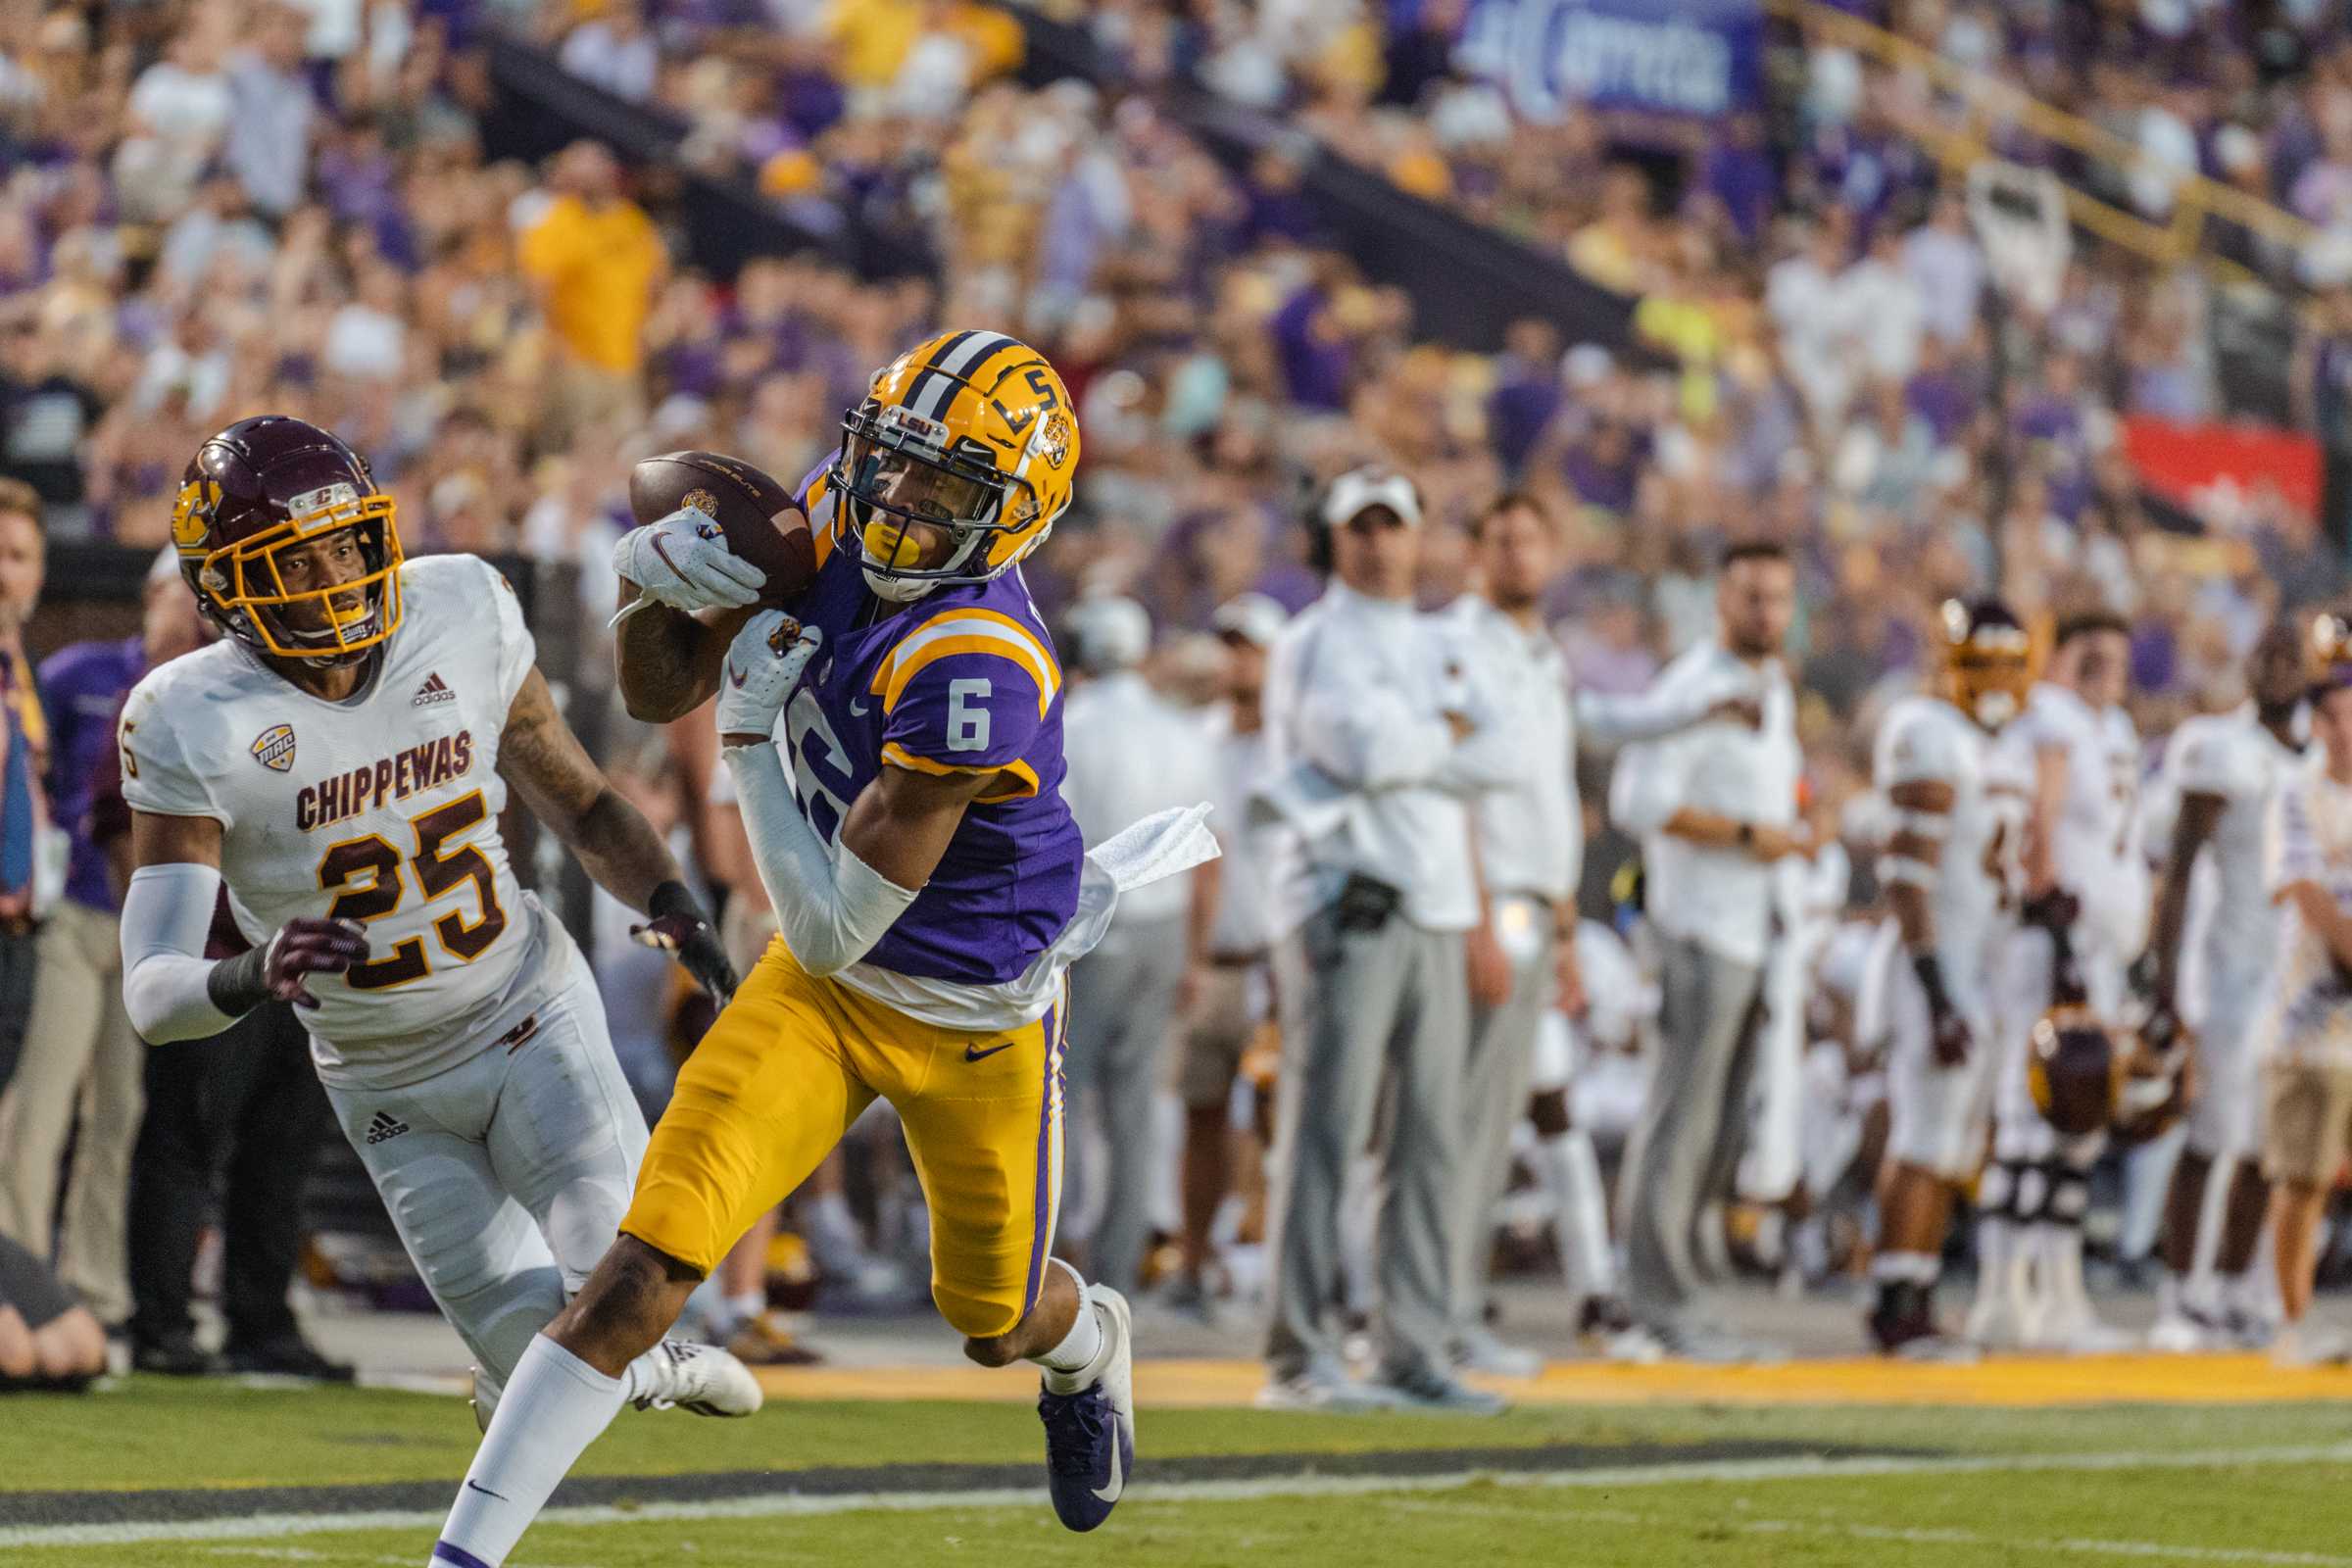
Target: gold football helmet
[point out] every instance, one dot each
(956, 463)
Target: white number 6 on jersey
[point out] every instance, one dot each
(967, 727)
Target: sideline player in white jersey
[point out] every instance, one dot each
(2219, 774)
(2084, 917)
(1958, 802)
(338, 759)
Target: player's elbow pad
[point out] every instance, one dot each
(167, 914)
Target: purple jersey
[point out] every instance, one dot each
(962, 680)
(83, 687)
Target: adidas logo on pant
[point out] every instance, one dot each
(384, 1126)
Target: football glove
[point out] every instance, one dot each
(2055, 911)
(1951, 1040)
(275, 970)
(763, 665)
(676, 924)
(683, 561)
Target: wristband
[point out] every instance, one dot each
(1930, 980)
(237, 986)
(675, 898)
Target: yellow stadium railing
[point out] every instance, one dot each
(1974, 106)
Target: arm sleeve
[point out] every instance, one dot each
(1915, 754)
(157, 774)
(166, 913)
(831, 908)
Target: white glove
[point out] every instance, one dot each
(683, 561)
(763, 665)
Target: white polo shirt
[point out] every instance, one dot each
(1367, 768)
(1130, 753)
(1719, 898)
(2310, 840)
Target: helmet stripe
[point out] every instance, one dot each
(935, 388)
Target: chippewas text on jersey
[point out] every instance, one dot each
(342, 796)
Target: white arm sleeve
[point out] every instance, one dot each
(831, 907)
(166, 915)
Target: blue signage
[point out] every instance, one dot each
(1676, 56)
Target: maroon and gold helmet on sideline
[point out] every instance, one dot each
(263, 485)
(2071, 1070)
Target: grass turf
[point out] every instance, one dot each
(2294, 1515)
(153, 1433)
(157, 1432)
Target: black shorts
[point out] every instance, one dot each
(27, 1285)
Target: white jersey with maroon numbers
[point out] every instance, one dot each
(381, 808)
(1926, 740)
(2095, 840)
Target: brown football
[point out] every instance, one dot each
(761, 520)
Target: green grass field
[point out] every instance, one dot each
(1886, 1487)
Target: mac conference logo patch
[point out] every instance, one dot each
(274, 748)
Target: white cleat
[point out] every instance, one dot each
(1480, 1351)
(701, 1378)
(2178, 1333)
(2073, 1329)
(2301, 1345)
(1995, 1323)
(1634, 1345)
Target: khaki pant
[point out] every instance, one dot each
(1215, 1035)
(2309, 1129)
(83, 1072)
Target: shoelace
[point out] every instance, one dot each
(1074, 1427)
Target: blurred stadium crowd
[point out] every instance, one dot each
(210, 208)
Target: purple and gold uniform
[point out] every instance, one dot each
(956, 1016)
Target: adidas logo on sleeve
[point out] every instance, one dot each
(384, 1126)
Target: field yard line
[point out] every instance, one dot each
(2090, 1546)
(787, 1505)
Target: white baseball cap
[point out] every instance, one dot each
(1253, 617)
(1111, 633)
(1360, 490)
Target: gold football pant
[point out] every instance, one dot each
(793, 1060)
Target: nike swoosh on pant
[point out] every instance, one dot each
(975, 1053)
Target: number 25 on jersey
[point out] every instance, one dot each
(365, 875)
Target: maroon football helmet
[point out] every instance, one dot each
(269, 485)
(2071, 1070)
